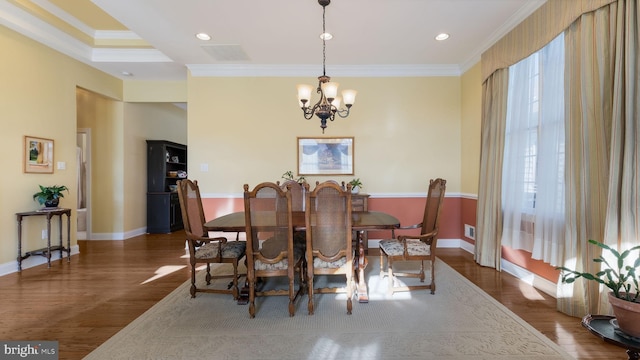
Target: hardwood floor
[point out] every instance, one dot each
(111, 283)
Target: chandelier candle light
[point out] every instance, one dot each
(329, 104)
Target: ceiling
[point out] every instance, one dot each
(155, 39)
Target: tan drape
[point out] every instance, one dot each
(602, 114)
(489, 208)
(535, 32)
(591, 143)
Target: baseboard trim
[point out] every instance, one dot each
(530, 278)
(540, 283)
(118, 236)
(12, 266)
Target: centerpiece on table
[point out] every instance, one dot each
(49, 196)
(356, 185)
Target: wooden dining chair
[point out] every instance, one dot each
(297, 193)
(270, 248)
(297, 190)
(202, 248)
(329, 239)
(420, 247)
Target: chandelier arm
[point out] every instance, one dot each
(343, 113)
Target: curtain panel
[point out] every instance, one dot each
(536, 31)
(603, 155)
(489, 211)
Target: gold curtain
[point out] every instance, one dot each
(535, 32)
(489, 208)
(602, 126)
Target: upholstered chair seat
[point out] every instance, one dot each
(396, 248)
(231, 249)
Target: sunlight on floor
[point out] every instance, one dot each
(328, 349)
(529, 292)
(164, 271)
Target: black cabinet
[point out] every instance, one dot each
(166, 164)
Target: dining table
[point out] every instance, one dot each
(361, 221)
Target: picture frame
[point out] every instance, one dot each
(325, 156)
(38, 155)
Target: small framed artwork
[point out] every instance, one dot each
(325, 156)
(38, 155)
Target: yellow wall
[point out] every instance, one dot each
(103, 116)
(153, 91)
(47, 94)
(471, 124)
(38, 92)
(145, 121)
(406, 130)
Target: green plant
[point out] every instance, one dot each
(289, 176)
(356, 182)
(619, 278)
(49, 193)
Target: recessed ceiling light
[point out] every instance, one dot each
(126, 73)
(326, 36)
(203, 36)
(443, 36)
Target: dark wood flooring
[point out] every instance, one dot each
(110, 283)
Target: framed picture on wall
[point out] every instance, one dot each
(38, 155)
(325, 156)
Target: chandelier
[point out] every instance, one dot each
(329, 104)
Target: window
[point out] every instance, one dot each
(533, 171)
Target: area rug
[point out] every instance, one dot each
(459, 322)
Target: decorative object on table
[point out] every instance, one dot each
(172, 174)
(182, 174)
(175, 159)
(38, 155)
(619, 279)
(356, 185)
(289, 176)
(49, 196)
(325, 156)
(329, 104)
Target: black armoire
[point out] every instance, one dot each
(166, 164)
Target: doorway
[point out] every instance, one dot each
(83, 160)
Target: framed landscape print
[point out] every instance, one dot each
(38, 155)
(325, 156)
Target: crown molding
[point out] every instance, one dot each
(128, 55)
(240, 70)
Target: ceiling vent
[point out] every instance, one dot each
(226, 52)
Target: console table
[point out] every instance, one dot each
(46, 252)
(600, 325)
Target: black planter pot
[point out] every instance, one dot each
(52, 203)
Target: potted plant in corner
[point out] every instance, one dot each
(356, 184)
(49, 196)
(619, 279)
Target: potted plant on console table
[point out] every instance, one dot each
(356, 185)
(49, 196)
(619, 279)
